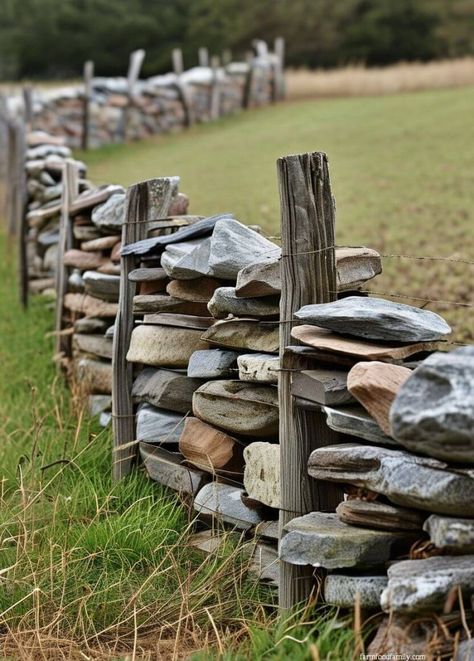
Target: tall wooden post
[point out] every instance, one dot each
(279, 49)
(215, 97)
(88, 78)
(308, 275)
(177, 60)
(146, 201)
(28, 104)
(70, 190)
(20, 210)
(133, 74)
(203, 57)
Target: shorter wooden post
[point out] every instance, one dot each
(177, 60)
(11, 179)
(88, 78)
(147, 200)
(70, 190)
(215, 101)
(279, 49)
(28, 105)
(134, 67)
(203, 57)
(249, 81)
(20, 210)
(308, 275)
(226, 57)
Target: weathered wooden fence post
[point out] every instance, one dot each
(226, 57)
(88, 78)
(70, 190)
(183, 89)
(146, 201)
(20, 210)
(308, 275)
(279, 76)
(249, 81)
(177, 60)
(203, 57)
(28, 104)
(215, 101)
(134, 67)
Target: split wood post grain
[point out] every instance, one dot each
(203, 57)
(86, 116)
(133, 74)
(215, 99)
(146, 201)
(21, 210)
(70, 191)
(308, 275)
(28, 105)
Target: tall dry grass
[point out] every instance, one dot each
(358, 80)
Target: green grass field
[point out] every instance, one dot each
(93, 570)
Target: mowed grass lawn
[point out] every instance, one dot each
(402, 170)
(89, 569)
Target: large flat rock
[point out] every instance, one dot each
(355, 421)
(210, 449)
(327, 341)
(155, 425)
(110, 215)
(83, 260)
(379, 515)
(262, 473)
(260, 278)
(433, 412)
(322, 386)
(225, 503)
(375, 386)
(199, 290)
(167, 469)
(342, 590)
(164, 346)
(153, 303)
(406, 479)
(259, 367)
(244, 334)
(94, 376)
(234, 246)
(98, 345)
(416, 586)
(213, 364)
(240, 408)
(165, 389)
(456, 535)
(103, 286)
(187, 261)
(321, 540)
(376, 319)
(224, 302)
(89, 305)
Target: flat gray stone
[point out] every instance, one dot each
(321, 540)
(164, 346)
(75, 281)
(264, 564)
(406, 479)
(433, 412)
(379, 515)
(95, 376)
(355, 421)
(240, 408)
(167, 468)
(455, 535)
(98, 404)
(260, 278)
(186, 261)
(322, 386)
(100, 285)
(158, 425)
(97, 345)
(213, 364)
(91, 325)
(259, 367)
(225, 503)
(105, 418)
(262, 472)
(86, 232)
(147, 275)
(341, 590)
(234, 246)
(416, 586)
(376, 319)
(110, 215)
(244, 334)
(224, 302)
(166, 389)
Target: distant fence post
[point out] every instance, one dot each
(146, 201)
(28, 104)
(308, 275)
(215, 100)
(70, 190)
(20, 210)
(279, 68)
(88, 78)
(203, 57)
(133, 74)
(226, 57)
(249, 80)
(183, 89)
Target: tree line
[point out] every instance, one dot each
(52, 38)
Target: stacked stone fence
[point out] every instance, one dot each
(112, 110)
(333, 429)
